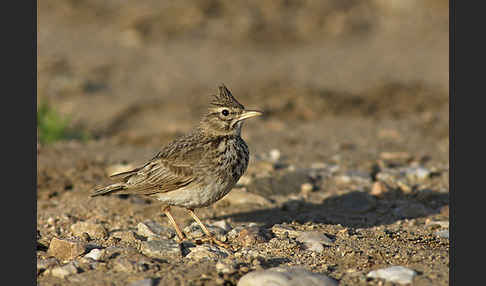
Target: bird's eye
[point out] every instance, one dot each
(225, 112)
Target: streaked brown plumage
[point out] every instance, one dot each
(197, 169)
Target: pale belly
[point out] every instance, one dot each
(195, 196)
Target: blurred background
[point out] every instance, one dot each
(141, 72)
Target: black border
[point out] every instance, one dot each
(34, 120)
(19, 142)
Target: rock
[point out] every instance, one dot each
(125, 235)
(125, 265)
(443, 233)
(239, 196)
(285, 276)
(153, 230)
(94, 230)
(64, 270)
(208, 252)
(144, 282)
(378, 188)
(306, 188)
(314, 240)
(161, 249)
(396, 274)
(250, 236)
(274, 155)
(222, 224)
(194, 231)
(65, 249)
(233, 234)
(95, 254)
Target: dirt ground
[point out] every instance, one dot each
(355, 95)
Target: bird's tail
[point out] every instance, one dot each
(108, 189)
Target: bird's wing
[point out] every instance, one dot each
(170, 169)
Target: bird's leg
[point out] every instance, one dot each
(174, 224)
(211, 237)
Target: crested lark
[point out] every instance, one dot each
(197, 169)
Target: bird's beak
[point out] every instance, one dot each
(248, 114)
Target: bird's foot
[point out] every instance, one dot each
(213, 240)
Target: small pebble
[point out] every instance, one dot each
(207, 252)
(378, 188)
(274, 155)
(250, 236)
(64, 270)
(94, 254)
(194, 231)
(153, 230)
(396, 274)
(65, 249)
(314, 240)
(94, 230)
(161, 249)
(306, 188)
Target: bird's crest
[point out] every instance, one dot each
(225, 98)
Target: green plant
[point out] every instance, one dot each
(51, 126)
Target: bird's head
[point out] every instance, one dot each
(225, 115)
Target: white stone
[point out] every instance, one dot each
(314, 240)
(396, 274)
(285, 276)
(274, 155)
(94, 254)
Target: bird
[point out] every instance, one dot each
(196, 169)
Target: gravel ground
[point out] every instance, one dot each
(348, 181)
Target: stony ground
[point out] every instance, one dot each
(349, 168)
